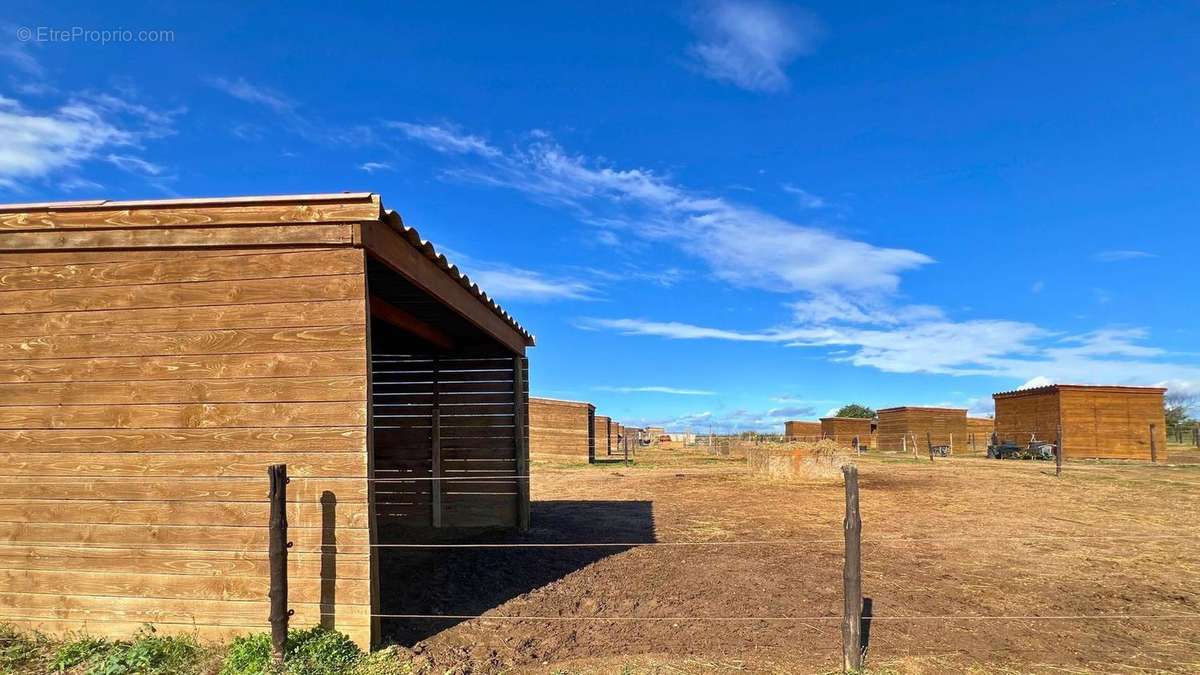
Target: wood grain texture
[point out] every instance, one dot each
(281, 441)
(941, 426)
(183, 294)
(182, 368)
(126, 219)
(560, 429)
(142, 395)
(183, 237)
(182, 268)
(1097, 422)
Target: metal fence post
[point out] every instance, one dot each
(852, 652)
(277, 547)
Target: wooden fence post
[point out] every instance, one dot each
(1058, 453)
(1153, 446)
(277, 546)
(852, 652)
(929, 442)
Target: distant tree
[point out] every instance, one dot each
(1178, 406)
(856, 410)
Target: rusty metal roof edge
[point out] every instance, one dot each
(431, 253)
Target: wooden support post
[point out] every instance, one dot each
(277, 546)
(626, 450)
(1153, 445)
(435, 432)
(904, 442)
(929, 442)
(1058, 453)
(520, 428)
(974, 445)
(852, 651)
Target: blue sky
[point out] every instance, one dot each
(714, 213)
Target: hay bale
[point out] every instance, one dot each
(820, 460)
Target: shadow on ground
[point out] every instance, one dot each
(471, 581)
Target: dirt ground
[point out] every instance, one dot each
(943, 542)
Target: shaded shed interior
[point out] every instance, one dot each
(444, 416)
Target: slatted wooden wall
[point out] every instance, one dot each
(602, 432)
(614, 438)
(1097, 422)
(446, 417)
(944, 426)
(143, 393)
(843, 430)
(561, 429)
(979, 433)
(801, 429)
(1022, 417)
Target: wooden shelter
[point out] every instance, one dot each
(801, 429)
(614, 439)
(601, 431)
(979, 432)
(899, 428)
(847, 431)
(561, 429)
(1106, 422)
(157, 356)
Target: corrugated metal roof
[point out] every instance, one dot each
(427, 249)
(1049, 388)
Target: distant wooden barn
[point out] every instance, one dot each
(899, 428)
(979, 432)
(601, 431)
(802, 429)
(156, 357)
(1105, 422)
(848, 431)
(562, 430)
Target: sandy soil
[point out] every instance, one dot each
(958, 538)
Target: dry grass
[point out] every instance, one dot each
(797, 460)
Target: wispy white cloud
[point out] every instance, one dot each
(372, 167)
(513, 283)
(135, 165)
(740, 244)
(445, 138)
(659, 389)
(995, 348)
(1120, 255)
(294, 117)
(243, 90)
(807, 199)
(36, 145)
(18, 54)
(750, 43)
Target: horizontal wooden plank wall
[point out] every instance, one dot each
(476, 448)
(561, 430)
(844, 430)
(602, 433)
(1097, 422)
(979, 433)
(1112, 424)
(1026, 417)
(614, 438)
(899, 428)
(802, 430)
(143, 393)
